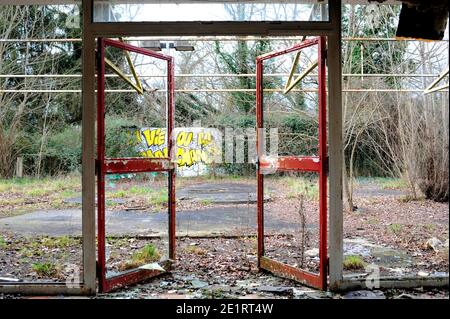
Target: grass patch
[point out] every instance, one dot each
(17, 184)
(353, 262)
(12, 201)
(205, 202)
(411, 198)
(42, 192)
(111, 203)
(60, 204)
(139, 190)
(148, 254)
(37, 192)
(119, 194)
(30, 252)
(301, 186)
(68, 193)
(58, 242)
(395, 228)
(158, 198)
(391, 183)
(3, 244)
(50, 184)
(44, 269)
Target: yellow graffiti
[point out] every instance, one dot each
(187, 157)
(157, 154)
(184, 139)
(204, 138)
(191, 148)
(155, 137)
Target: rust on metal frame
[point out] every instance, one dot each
(295, 163)
(323, 157)
(294, 48)
(130, 165)
(259, 150)
(170, 143)
(290, 272)
(101, 259)
(134, 276)
(136, 165)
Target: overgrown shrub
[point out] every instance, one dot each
(424, 127)
(433, 171)
(119, 138)
(288, 126)
(62, 150)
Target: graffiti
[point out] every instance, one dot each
(194, 146)
(197, 147)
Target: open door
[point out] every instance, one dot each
(314, 164)
(106, 166)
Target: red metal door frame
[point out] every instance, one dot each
(295, 163)
(106, 166)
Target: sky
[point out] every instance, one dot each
(208, 12)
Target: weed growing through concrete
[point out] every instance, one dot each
(148, 254)
(3, 243)
(353, 262)
(45, 269)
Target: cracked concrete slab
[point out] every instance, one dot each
(209, 221)
(220, 193)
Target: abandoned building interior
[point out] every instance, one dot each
(264, 130)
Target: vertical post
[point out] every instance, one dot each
(19, 167)
(100, 160)
(88, 156)
(259, 146)
(172, 155)
(335, 147)
(323, 161)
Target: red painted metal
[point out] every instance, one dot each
(294, 163)
(130, 165)
(136, 165)
(297, 47)
(101, 260)
(290, 272)
(133, 276)
(138, 50)
(259, 150)
(171, 144)
(130, 278)
(323, 254)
